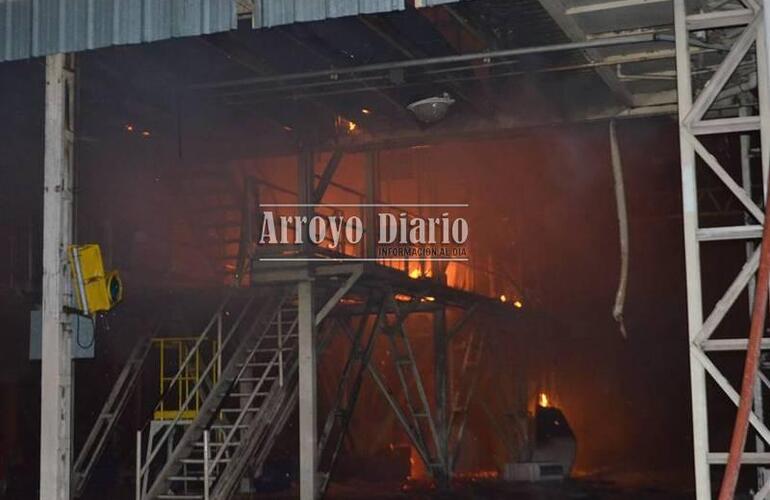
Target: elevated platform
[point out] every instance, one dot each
(425, 293)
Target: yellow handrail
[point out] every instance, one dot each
(187, 380)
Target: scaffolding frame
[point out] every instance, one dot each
(694, 121)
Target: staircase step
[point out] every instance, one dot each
(190, 479)
(227, 426)
(217, 445)
(238, 410)
(200, 460)
(256, 379)
(257, 364)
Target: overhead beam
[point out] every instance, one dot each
(616, 4)
(557, 10)
(313, 48)
(327, 175)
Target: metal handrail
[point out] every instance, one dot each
(161, 442)
(195, 347)
(256, 389)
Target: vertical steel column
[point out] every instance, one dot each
(305, 198)
(441, 388)
(763, 92)
(370, 219)
(692, 255)
(56, 373)
(308, 408)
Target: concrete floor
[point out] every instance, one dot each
(487, 490)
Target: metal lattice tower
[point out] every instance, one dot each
(702, 112)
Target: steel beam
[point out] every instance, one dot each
(570, 27)
(326, 176)
(371, 188)
(692, 125)
(56, 372)
(612, 5)
(305, 194)
(692, 254)
(441, 391)
(308, 399)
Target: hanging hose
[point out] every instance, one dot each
(758, 313)
(620, 202)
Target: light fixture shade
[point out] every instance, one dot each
(432, 109)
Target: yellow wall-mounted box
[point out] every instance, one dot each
(96, 291)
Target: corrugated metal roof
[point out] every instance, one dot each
(277, 12)
(32, 28)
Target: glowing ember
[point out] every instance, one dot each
(518, 304)
(543, 400)
(479, 475)
(503, 298)
(352, 126)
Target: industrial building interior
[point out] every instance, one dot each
(597, 333)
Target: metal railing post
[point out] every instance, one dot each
(138, 465)
(280, 347)
(206, 477)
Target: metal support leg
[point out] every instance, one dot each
(307, 393)
(305, 188)
(56, 376)
(692, 256)
(370, 220)
(441, 370)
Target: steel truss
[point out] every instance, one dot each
(747, 31)
(435, 438)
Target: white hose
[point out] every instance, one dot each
(620, 201)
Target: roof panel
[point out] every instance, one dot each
(15, 35)
(281, 12)
(32, 28)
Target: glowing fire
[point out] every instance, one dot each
(479, 475)
(543, 400)
(415, 273)
(503, 298)
(416, 467)
(518, 304)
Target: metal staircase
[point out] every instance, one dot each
(109, 415)
(243, 409)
